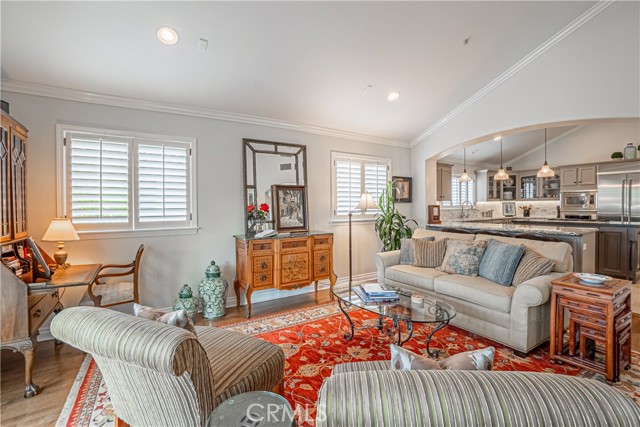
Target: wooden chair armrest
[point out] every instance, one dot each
(124, 273)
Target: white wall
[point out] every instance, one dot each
(602, 139)
(169, 262)
(590, 74)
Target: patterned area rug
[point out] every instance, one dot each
(312, 340)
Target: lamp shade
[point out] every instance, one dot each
(366, 202)
(60, 230)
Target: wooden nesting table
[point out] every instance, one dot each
(596, 316)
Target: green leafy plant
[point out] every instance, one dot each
(391, 225)
(617, 155)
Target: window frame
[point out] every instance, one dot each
(450, 204)
(133, 227)
(362, 158)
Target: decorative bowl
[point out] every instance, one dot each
(592, 279)
(509, 182)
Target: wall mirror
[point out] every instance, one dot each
(268, 163)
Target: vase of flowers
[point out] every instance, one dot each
(526, 210)
(257, 216)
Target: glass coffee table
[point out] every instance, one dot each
(433, 311)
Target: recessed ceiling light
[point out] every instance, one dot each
(393, 96)
(167, 35)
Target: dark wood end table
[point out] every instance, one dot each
(597, 314)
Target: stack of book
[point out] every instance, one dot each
(376, 293)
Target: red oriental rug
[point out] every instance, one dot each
(312, 340)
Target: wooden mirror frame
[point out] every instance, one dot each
(299, 152)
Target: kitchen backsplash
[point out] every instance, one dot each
(481, 210)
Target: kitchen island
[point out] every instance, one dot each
(583, 240)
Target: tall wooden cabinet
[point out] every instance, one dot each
(13, 180)
(618, 252)
(282, 262)
(443, 182)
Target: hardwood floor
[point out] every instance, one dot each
(57, 366)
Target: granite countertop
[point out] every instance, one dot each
(284, 235)
(554, 221)
(519, 228)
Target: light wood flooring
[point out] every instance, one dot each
(56, 367)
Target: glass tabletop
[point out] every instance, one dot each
(262, 408)
(432, 310)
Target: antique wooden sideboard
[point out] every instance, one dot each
(282, 262)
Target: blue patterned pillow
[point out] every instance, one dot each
(463, 256)
(406, 249)
(500, 262)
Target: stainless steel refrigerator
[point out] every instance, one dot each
(619, 192)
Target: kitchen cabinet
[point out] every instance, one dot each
(443, 182)
(618, 252)
(499, 190)
(534, 188)
(13, 180)
(574, 178)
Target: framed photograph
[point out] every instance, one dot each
(401, 189)
(35, 253)
(290, 207)
(509, 208)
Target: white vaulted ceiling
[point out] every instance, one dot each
(299, 62)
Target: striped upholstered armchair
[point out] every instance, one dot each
(160, 375)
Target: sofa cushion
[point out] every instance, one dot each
(531, 265)
(427, 253)
(558, 252)
(406, 360)
(178, 318)
(406, 250)
(419, 233)
(500, 261)
(414, 276)
(473, 360)
(477, 290)
(463, 257)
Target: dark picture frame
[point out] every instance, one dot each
(290, 207)
(402, 189)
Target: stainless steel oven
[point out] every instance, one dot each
(578, 201)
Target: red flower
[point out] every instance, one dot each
(251, 208)
(264, 207)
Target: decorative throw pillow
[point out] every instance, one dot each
(406, 250)
(463, 256)
(475, 360)
(500, 261)
(405, 360)
(178, 318)
(428, 253)
(531, 265)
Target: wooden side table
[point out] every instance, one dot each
(597, 315)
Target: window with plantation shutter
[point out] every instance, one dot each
(123, 181)
(460, 192)
(352, 175)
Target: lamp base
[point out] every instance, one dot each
(60, 257)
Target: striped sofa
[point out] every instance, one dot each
(371, 394)
(160, 375)
(515, 316)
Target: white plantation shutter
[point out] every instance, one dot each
(98, 184)
(127, 181)
(460, 192)
(352, 176)
(162, 182)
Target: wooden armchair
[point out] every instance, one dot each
(101, 294)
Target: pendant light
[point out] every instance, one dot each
(545, 171)
(465, 176)
(502, 175)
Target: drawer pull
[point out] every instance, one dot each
(322, 270)
(263, 265)
(295, 244)
(593, 295)
(37, 313)
(322, 258)
(263, 277)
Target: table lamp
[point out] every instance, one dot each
(366, 202)
(60, 230)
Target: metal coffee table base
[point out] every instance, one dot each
(396, 327)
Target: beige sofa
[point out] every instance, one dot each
(515, 316)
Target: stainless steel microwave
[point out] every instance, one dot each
(578, 201)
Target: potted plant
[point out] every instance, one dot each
(617, 155)
(391, 225)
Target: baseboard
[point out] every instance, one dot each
(271, 294)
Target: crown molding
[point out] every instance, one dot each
(532, 56)
(9, 85)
